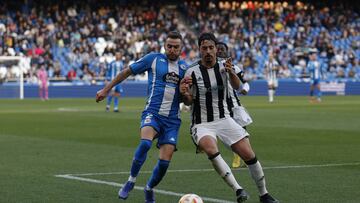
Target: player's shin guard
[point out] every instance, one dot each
(224, 171)
(257, 174)
(140, 157)
(158, 173)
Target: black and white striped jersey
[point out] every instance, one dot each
(271, 69)
(209, 90)
(233, 97)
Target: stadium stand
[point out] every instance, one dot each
(82, 36)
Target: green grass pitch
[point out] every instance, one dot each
(310, 152)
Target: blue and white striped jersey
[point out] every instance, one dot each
(163, 83)
(114, 68)
(314, 68)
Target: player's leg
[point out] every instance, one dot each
(319, 93)
(312, 87)
(236, 163)
(46, 89)
(270, 91)
(167, 141)
(41, 91)
(243, 148)
(116, 101)
(209, 146)
(149, 129)
(275, 86)
(237, 160)
(165, 155)
(108, 100)
(204, 137)
(116, 98)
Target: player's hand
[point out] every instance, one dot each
(243, 92)
(101, 95)
(229, 66)
(185, 84)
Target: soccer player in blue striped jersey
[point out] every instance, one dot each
(113, 69)
(160, 119)
(314, 68)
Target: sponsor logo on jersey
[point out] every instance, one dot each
(172, 78)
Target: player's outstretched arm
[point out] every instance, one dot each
(245, 85)
(185, 90)
(101, 94)
(234, 79)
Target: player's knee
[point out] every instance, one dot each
(208, 145)
(213, 156)
(166, 151)
(251, 161)
(148, 133)
(145, 144)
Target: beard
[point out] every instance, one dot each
(208, 59)
(172, 57)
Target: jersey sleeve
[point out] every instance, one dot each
(188, 72)
(142, 65)
(239, 73)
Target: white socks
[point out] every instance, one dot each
(271, 95)
(225, 172)
(257, 174)
(132, 179)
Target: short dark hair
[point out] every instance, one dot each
(174, 35)
(223, 43)
(207, 36)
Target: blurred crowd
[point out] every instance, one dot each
(76, 40)
(253, 29)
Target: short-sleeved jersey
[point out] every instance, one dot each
(114, 68)
(163, 83)
(209, 90)
(314, 68)
(271, 69)
(233, 97)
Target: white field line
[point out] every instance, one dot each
(210, 169)
(164, 192)
(170, 193)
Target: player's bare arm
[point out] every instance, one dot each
(185, 91)
(101, 94)
(234, 79)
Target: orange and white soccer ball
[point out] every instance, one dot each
(190, 198)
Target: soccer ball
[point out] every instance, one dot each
(190, 198)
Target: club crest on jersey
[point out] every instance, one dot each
(183, 67)
(172, 78)
(148, 118)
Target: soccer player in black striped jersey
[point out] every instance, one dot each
(233, 101)
(205, 87)
(271, 72)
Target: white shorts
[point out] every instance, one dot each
(273, 82)
(241, 116)
(227, 130)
